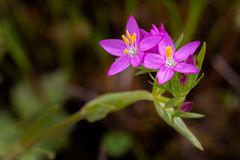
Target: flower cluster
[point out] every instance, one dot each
(153, 50)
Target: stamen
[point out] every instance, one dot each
(125, 51)
(133, 38)
(128, 35)
(126, 41)
(169, 52)
(131, 48)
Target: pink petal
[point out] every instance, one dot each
(164, 74)
(190, 60)
(166, 41)
(186, 50)
(153, 50)
(153, 61)
(149, 42)
(185, 68)
(119, 65)
(132, 27)
(114, 47)
(154, 30)
(143, 33)
(137, 59)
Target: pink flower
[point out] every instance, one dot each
(167, 60)
(131, 49)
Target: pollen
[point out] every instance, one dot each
(125, 51)
(128, 38)
(169, 52)
(126, 41)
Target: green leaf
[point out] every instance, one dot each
(177, 123)
(25, 103)
(201, 56)
(143, 71)
(54, 86)
(14, 46)
(9, 134)
(45, 120)
(99, 107)
(179, 40)
(191, 115)
(117, 143)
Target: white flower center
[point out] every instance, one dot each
(132, 50)
(130, 41)
(169, 57)
(170, 62)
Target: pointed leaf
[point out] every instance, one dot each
(192, 115)
(177, 123)
(201, 56)
(143, 71)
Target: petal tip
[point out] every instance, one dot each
(160, 81)
(110, 74)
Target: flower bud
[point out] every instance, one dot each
(186, 106)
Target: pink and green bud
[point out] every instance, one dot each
(186, 106)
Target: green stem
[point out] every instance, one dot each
(24, 145)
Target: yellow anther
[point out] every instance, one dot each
(125, 39)
(125, 51)
(128, 39)
(128, 35)
(133, 38)
(169, 52)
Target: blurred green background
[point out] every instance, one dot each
(51, 64)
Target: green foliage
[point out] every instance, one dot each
(54, 86)
(143, 71)
(116, 143)
(99, 107)
(9, 133)
(174, 102)
(177, 123)
(25, 104)
(14, 46)
(25, 101)
(36, 117)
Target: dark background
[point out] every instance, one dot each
(44, 43)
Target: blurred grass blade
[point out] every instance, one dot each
(99, 107)
(194, 14)
(40, 123)
(14, 46)
(117, 143)
(173, 10)
(179, 41)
